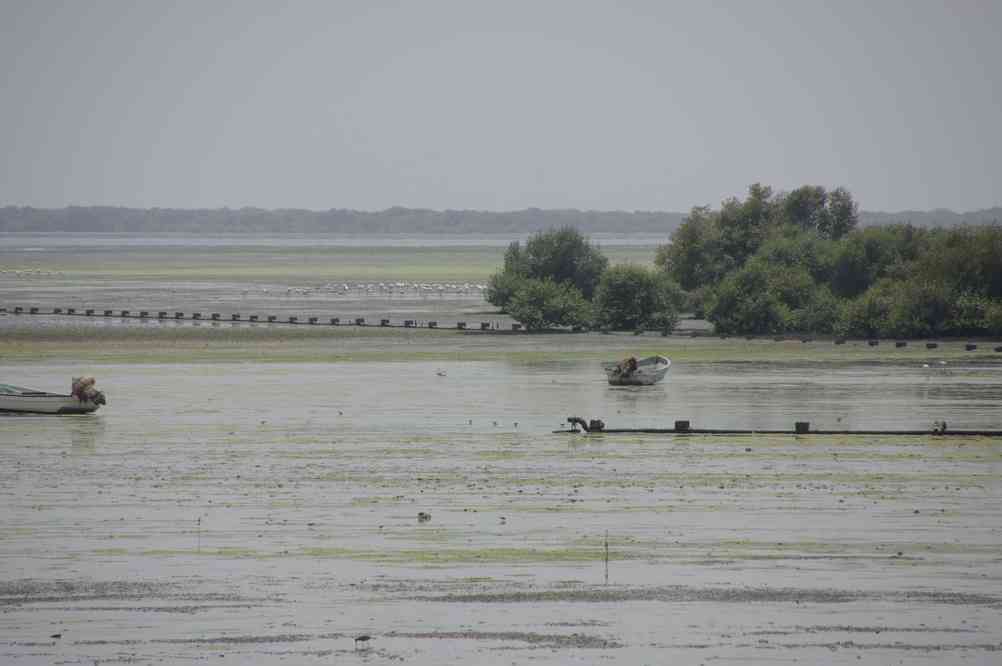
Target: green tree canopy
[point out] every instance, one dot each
(631, 297)
(563, 256)
(542, 304)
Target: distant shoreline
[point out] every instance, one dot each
(393, 221)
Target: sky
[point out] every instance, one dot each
(502, 105)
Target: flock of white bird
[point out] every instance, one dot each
(387, 289)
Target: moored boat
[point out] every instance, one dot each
(634, 372)
(19, 399)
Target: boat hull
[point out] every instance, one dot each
(649, 371)
(46, 404)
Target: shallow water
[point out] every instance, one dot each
(268, 512)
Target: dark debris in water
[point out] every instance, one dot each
(679, 593)
(575, 640)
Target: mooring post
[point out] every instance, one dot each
(802, 427)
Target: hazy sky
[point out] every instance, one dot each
(497, 105)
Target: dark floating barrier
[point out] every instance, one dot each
(683, 427)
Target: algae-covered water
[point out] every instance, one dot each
(251, 494)
(249, 512)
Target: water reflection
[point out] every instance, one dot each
(85, 432)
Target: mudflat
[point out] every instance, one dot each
(251, 494)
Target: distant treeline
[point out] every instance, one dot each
(101, 219)
(106, 219)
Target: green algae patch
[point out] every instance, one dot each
(111, 552)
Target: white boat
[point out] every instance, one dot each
(634, 372)
(20, 399)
